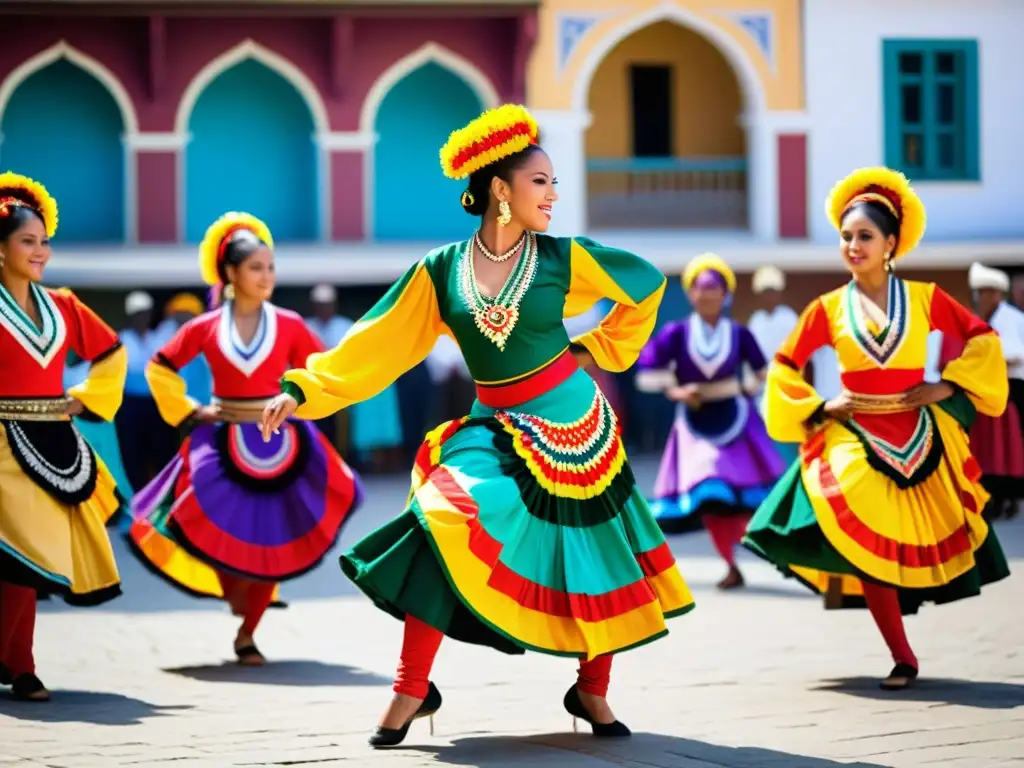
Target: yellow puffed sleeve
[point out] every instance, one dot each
(789, 400)
(633, 284)
(168, 390)
(103, 389)
(395, 335)
(980, 370)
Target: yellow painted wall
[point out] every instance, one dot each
(706, 96)
(781, 81)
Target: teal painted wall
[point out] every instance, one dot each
(63, 128)
(253, 150)
(412, 199)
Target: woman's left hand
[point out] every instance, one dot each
(927, 394)
(74, 408)
(583, 358)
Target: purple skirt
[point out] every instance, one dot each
(261, 510)
(719, 454)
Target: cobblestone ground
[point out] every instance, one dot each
(760, 679)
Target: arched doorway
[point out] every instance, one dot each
(64, 129)
(252, 149)
(666, 147)
(412, 200)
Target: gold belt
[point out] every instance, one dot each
(35, 409)
(878, 403)
(725, 389)
(241, 411)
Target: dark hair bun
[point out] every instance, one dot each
(475, 204)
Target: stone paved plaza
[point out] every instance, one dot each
(759, 679)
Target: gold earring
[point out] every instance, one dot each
(504, 213)
(888, 262)
(229, 292)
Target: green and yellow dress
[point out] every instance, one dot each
(524, 527)
(893, 495)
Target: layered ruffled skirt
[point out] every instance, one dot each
(56, 497)
(894, 499)
(719, 458)
(525, 530)
(231, 503)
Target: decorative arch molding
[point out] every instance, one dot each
(751, 85)
(251, 50)
(425, 54)
(63, 50)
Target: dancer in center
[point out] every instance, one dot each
(719, 462)
(884, 506)
(233, 514)
(525, 529)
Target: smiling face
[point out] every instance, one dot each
(254, 278)
(530, 192)
(27, 250)
(863, 244)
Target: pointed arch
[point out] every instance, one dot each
(250, 49)
(429, 52)
(63, 50)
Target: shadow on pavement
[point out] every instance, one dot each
(965, 693)
(297, 672)
(93, 707)
(647, 749)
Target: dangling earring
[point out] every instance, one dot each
(504, 214)
(229, 292)
(888, 263)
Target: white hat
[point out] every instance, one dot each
(137, 301)
(323, 294)
(979, 276)
(769, 279)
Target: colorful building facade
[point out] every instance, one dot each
(675, 125)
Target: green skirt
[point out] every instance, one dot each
(785, 532)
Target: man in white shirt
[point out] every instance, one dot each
(991, 288)
(774, 321)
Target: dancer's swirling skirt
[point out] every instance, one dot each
(525, 530)
(233, 503)
(894, 499)
(56, 497)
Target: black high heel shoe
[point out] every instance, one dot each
(574, 706)
(28, 687)
(392, 737)
(902, 676)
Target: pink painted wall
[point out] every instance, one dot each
(347, 199)
(122, 46)
(157, 177)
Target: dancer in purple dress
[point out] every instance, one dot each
(719, 461)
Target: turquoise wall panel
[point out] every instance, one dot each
(412, 199)
(252, 149)
(63, 128)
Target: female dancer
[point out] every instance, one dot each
(886, 502)
(232, 515)
(56, 495)
(718, 460)
(525, 529)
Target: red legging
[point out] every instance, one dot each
(248, 599)
(419, 647)
(725, 532)
(17, 628)
(884, 604)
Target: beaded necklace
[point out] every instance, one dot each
(496, 317)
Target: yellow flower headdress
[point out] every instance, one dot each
(889, 188)
(211, 249)
(496, 134)
(20, 191)
(704, 262)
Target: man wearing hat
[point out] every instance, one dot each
(991, 287)
(772, 324)
(147, 442)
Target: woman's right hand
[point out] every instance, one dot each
(688, 394)
(206, 414)
(275, 413)
(840, 407)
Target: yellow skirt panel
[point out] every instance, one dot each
(923, 536)
(67, 545)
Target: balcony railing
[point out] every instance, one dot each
(667, 193)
